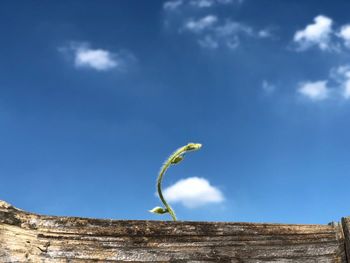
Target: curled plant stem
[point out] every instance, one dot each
(173, 159)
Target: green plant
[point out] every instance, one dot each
(173, 159)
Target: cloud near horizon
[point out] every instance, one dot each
(193, 192)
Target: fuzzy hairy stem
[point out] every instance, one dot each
(174, 158)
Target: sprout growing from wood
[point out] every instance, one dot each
(173, 159)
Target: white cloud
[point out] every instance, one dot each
(98, 59)
(316, 34)
(193, 192)
(315, 91)
(322, 35)
(345, 34)
(336, 86)
(172, 5)
(201, 24)
(268, 87)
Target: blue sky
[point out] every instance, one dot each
(95, 95)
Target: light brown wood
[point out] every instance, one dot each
(27, 237)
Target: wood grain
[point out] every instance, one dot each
(27, 237)
(346, 231)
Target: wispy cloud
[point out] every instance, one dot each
(212, 30)
(172, 5)
(230, 27)
(213, 33)
(208, 42)
(265, 33)
(268, 87)
(202, 3)
(193, 192)
(199, 4)
(210, 3)
(201, 24)
(83, 56)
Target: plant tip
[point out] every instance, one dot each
(193, 146)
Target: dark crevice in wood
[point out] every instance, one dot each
(345, 231)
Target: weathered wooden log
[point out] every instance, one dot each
(27, 237)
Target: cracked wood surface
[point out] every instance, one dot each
(27, 237)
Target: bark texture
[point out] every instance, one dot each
(27, 237)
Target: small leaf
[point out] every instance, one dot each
(159, 210)
(177, 159)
